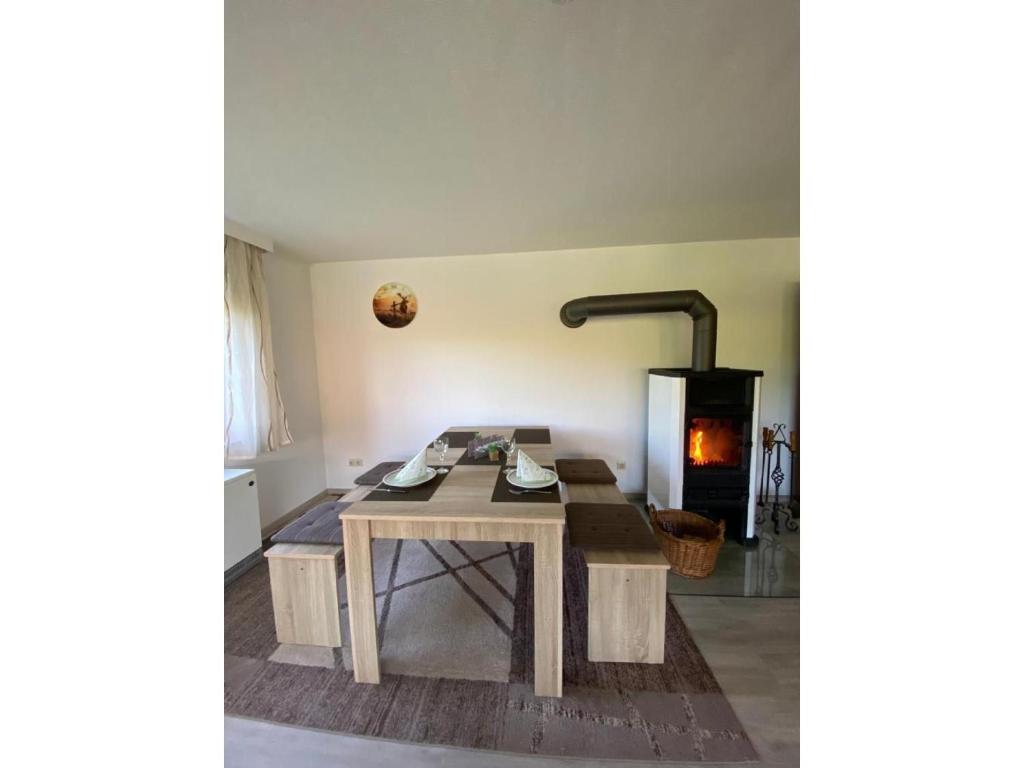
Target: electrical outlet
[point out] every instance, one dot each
(355, 462)
(620, 465)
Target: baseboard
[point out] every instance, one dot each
(242, 566)
(281, 522)
(338, 491)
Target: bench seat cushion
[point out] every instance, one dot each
(376, 475)
(609, 527)
(592, 471)
(320, 525)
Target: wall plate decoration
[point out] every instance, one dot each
(395, 305)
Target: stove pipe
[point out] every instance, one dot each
(694, 303)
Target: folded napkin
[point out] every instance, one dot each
(414, 470)
(529, 470)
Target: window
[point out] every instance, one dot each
(254, 418)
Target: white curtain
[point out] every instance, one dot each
(254, 417)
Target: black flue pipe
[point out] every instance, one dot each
(694, 303)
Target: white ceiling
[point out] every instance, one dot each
(365, 129)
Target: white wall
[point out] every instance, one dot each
(487, 346)
(294, 474)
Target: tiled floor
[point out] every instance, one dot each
(753, 647)
(771, 569)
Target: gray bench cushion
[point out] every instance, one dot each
(320, 525)
(587, 471)
(608, 526)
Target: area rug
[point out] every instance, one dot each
(457, 667)
(444, 608)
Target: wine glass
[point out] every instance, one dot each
(441, 446)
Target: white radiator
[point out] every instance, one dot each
(242, 536)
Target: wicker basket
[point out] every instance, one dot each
(689, 541)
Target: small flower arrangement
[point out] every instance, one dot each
(489, 446)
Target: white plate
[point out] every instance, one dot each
(551, 479)
(389, 479)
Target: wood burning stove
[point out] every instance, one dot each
(700, 440)
(701, 421)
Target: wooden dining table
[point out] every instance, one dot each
(466, 505)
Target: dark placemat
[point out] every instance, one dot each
(535, 436)
(503, 492)
(419, 493)
(608, 526)
(455, 439)
(376, 475)
(584, 471)
(319, 525)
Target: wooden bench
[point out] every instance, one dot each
(304, 590)
(626, 587)
(304, 585)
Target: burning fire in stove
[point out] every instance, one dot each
(715, 443)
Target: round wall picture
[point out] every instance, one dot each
(395, 305)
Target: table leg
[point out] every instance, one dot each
(362, 607)
(547, 611)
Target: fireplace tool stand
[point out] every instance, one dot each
(772, 442)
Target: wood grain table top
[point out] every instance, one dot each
(465, 494)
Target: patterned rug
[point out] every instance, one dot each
(444, 608)
(455, 626)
